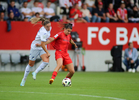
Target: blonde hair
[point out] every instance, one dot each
(35, 20)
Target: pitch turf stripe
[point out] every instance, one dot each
(93, 96)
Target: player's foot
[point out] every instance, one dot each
(130, 70)
(22, 82)
(51, 81)
(133, 70)
(34, 75)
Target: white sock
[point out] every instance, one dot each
(27, 70)
(41, 67)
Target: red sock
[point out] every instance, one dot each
(68, 77)
(54, 75)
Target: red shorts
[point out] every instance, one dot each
(65, 56)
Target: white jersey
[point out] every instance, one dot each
(42, 35)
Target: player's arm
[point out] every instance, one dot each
(44, 48)
(47, 42)
(72, 42)
(50, 40)
(44, 42)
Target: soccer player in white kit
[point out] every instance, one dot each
(41, 37)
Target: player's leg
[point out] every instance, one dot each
(27, 71)
(54, 74)
(32, 57)
(71, 70)
(45, 62)
(68, 62)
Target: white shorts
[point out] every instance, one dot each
(34, 54)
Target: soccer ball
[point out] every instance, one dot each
(66, 82)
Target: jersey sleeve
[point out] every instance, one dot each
(57, 36)
(118, 12)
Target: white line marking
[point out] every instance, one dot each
(93, 96)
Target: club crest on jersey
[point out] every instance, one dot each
(33, 57)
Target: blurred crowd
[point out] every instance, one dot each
(70, 11)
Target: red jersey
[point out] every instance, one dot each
(61, 41)
(122, 12)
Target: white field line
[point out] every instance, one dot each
(93, 96)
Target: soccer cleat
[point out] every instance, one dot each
(51, 81)
(22, 82)
(34, 75)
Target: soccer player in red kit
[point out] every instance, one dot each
(60, 42)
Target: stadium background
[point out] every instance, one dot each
(18, 40)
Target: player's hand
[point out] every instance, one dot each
(115, 19)
(76, 46)
(48, 55)
(38, 45)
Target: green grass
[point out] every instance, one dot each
(85, 86)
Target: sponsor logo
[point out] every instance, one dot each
(65, 40)
(121, 32)
(56, 36)
(33, 57)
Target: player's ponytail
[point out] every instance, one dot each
(36, 20)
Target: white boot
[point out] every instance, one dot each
(130, 70)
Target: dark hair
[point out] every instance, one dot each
(110, 3)
(11, 13)
(134, 6)
(37, 13)
(36, 1)
(75, 4)
(49, 1)
(69, 25)
(129, 43)
(25, 2)
(12, 1)
(1, 12)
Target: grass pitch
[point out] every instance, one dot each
(85, 86)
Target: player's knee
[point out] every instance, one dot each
(72, 72)
(45, 60)
(31, 64)
(60, 65)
